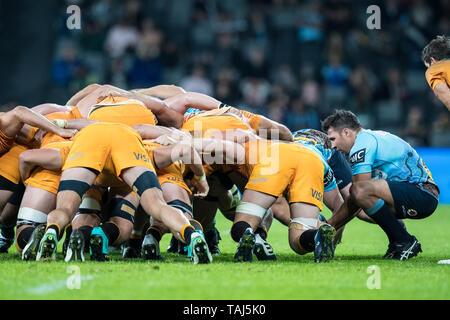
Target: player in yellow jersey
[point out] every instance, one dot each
(115, 150)
(436, 57)
(18, 123)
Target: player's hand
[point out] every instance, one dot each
(165, 140)
(67, 133)
(107, 91)
(199, 186)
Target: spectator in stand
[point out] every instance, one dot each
(301, 116)
(197, 81)
(415, 132)
(121, 37)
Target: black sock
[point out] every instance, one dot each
(68, 231)
(388, 222)
(8, 232)
(86, 232)
(111, 231)
(155, 232)
(307, 240)
(24, 236)
(238, 229)
(262, 232)
(197, 225)
(187, 233)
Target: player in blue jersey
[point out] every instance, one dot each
(390, 181)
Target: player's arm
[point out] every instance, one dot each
(163, 91)
(148, 131)
(46, 158)
(77, 124)
(73, 101)
(165, 156)
(12, 121)
(47, 108)
(442, 92)
(333, 199)
(182, 102)
(218, 151)
(271, 129)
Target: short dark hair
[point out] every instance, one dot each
(341, 119)
(438, 48)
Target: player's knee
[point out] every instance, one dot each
(359, 191)
(146, 181)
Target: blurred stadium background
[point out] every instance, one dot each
(292, 61)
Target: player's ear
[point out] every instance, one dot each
(432, 60)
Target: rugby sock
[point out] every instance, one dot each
(238, 229)
(111, 231)
(8, 232)
(210, 226)
(135, 240)
(56, 228)
(86, 232)
(68, 230)
(306, 240)
(197, 225)
(187, 232)
(24, 236)
(155, 232)
(262, 232)
(385, 218)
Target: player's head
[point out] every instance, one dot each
(342, 127)
(438, 49)
(316, 136)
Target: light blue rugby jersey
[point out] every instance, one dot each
(388, 157)
(329, 181)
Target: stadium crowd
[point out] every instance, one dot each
(293, 61)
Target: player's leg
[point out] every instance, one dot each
(308, 234)
(31, 220)
(86, 219)
(146, 185)
(117, 228)
(177, 197)
(73, 185)
(377, 200)
(132, 247)
(249, 214)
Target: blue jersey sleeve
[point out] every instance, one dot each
(362, 155)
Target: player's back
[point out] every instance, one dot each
(122, 110)
(391, 157)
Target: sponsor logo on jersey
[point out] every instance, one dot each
(358, 157)
(316, 194)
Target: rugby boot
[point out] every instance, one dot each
(198, 249)
(323, 240)
(98, 244)
(48, 246)
(212, 238)
(75, 247)
(150, 248)
(407, 250)
(244, 252)
(31, 248)
(263, 250)
(68, 232)
(5, 243)
(131, 249)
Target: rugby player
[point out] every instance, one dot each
(390, 181)
(436, 57)
(116, 150)
(20, 126)
(274, 168)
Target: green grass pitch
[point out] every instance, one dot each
(290, 277)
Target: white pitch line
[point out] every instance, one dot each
(53, 286)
